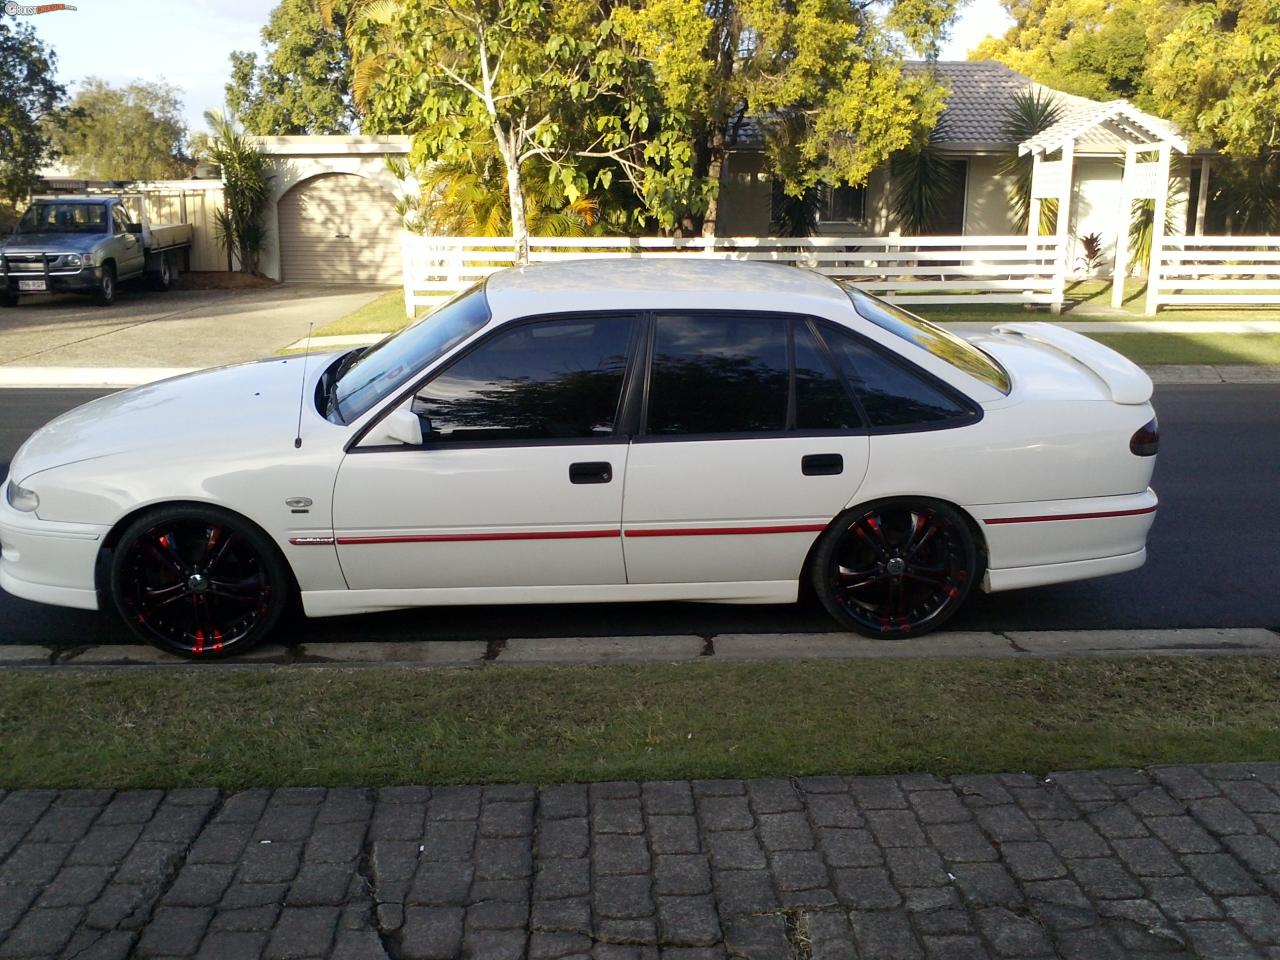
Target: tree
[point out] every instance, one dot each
(1090, 48)
(513, 76)
(302, 84)
(823, 78)
(1032, 112)
(240, 224)
(134, 132)
(28, 97)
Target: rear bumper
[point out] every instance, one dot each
(49, 562)
(1056, 541)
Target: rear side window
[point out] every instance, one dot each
(822, 401)
(555, 379)
(944, 345)
(892, 394)
(718, 373)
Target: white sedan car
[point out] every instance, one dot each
(597, 431)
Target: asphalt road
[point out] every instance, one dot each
(1214, 558)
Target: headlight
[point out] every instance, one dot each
(71, 260)
(20, 498)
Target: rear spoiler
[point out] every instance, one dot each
(1127, 381)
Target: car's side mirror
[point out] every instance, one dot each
(133, 227)
(399, 426)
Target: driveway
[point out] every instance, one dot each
(178, 329)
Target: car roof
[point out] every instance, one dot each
(70, 199)
(681, 282)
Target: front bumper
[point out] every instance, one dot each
(49, 562)
(84, 280)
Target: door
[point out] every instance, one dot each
(519, 478)
(339, 228)
(130, 256)
(749, 446)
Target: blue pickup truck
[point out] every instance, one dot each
(86, 244)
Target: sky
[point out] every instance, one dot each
(189, 43)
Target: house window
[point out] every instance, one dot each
(842, 204)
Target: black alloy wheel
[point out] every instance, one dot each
(105, 295)
(895, 568)
(199, 582)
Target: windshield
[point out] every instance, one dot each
(64, 218)
(386, 366)
(946, 346)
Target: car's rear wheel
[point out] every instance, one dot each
(198, 582)
(105, 295)
(162, 276)
(895, 568)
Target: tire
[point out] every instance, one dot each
(162, 278)
(199, 582)
(8, 299)
(105, 295)
(899, 567)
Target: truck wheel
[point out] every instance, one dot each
(162, 277)
(105, 295)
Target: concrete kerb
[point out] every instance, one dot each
(602, 651)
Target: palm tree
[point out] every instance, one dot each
(1032, 112)
(240, 223)
(923, 182)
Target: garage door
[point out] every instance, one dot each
(339, 228)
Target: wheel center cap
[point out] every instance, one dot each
(197, 583)
(896, 566)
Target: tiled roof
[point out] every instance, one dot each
(981, 92)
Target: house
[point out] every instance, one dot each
(1098, 136)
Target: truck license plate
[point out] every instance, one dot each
(31, 285)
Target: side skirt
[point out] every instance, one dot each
(331, 603)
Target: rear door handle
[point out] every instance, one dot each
(822, 464)
(595, 471)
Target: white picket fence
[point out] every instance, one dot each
(908, 270)
(1208, 271)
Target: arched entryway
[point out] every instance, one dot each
(339, 228)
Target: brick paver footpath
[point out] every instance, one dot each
(1175, 861)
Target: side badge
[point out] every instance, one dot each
(298, 504)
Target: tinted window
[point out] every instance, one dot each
(942, 344)
(384, 367)
(718, 374)
(822, 402)
(891, 393)
(559, 379)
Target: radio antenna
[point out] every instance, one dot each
(302, 387)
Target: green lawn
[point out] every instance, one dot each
(234, 728)
(1152, 349)
(382, 315)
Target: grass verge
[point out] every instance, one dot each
(383, 315)
(1227, 348)
(272, 727)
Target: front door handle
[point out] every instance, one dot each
(822, 464)
(595, 471)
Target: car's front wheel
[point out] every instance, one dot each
(105, 294)
(198, 582)
(895, 568)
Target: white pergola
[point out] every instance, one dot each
(1117, 128)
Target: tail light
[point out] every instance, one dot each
(1146, 441)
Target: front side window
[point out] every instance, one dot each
(718, 373)
(549, 380)
(956, 351)
(892, 394)
(388, 364)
